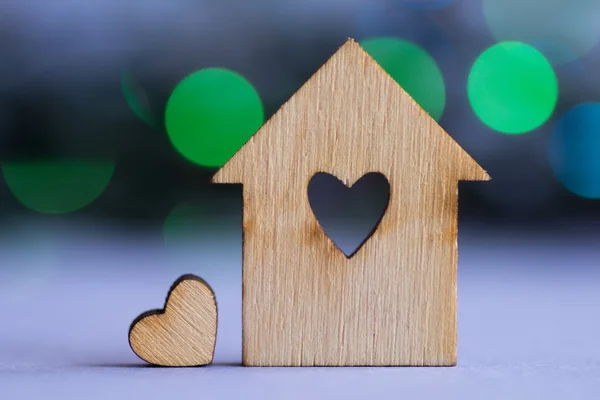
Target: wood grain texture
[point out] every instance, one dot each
(394, 302)
(184, 333)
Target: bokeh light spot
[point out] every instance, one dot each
(574, 150)
(211, 114)
(413, 68)
(56, 187)
(205, 232)
(208, 218)
(137, 99)
(563, 30)
(184, 225)
(512, 88)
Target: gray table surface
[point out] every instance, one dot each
(528, 327)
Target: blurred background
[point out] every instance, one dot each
(87, 131)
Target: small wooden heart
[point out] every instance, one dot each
(349, 215)
(184, 333)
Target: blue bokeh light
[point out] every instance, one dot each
(574, 150)
(564, 30)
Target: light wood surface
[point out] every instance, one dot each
(184, 333)
(394, 302)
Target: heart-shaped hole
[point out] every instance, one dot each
(349, 215)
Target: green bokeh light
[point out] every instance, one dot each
(203, 233)
(185, 224)
(56, 187)
(137, 99)
(211, 114)
(512, 88)
(413, 68)
(200, 224)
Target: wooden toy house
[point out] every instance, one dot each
(394, 301)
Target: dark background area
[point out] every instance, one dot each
(61, 92)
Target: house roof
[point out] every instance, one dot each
(350, 118)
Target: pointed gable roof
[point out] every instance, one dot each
(350, 115)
